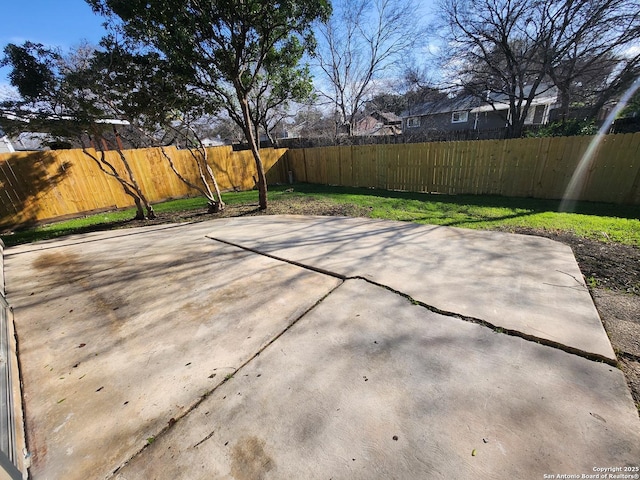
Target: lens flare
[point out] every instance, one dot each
(572, 191)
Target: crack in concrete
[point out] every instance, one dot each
(510, 332)
(207, 394)
(497, 329)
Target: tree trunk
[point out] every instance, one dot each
(564, 103)
(139, 208)
(134, 183)
(271, 138)
(515, 129)
(103, 164)
(220, 205)
(132, 180)
(251, 138)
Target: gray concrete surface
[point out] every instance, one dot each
(120, 336)
(529, 284)
(127, 340)
(371, 386)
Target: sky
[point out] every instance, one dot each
(63, 24)
(54, 23)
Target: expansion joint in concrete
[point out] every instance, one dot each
(514, 333)
(230, 376)
(280, 259)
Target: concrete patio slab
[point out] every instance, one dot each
(528, 284)
(123, 332)
(127, 340)
(369, 386)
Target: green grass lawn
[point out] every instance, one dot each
(599, 221)
(604, 222)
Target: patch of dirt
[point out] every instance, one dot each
(620, 314)
(611, 270)
(631, 370)
(622, 321)
(293, 205)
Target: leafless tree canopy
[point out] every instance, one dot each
(363, 42)
(521, 47)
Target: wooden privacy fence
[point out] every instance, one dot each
(36, 186)
(528, 167)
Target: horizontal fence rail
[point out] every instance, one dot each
(528, 167)
(37, 186)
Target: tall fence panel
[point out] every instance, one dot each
(36, 186)
(528, 167)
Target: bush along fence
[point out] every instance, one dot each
(527, 167)
(38, 186)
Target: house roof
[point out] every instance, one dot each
(445, 105)
(31, 141)
(388, 118)
(213, 142)
(500, 101)
(494, 101)
(27, 118)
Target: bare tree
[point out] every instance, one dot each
(518, 49)
(594, 50)
(364, 41)
(499, 47)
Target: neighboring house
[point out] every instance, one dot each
(443, 115)
(288, 131)
(539, 110)
(467, 112)
(379, 123)
(32, 141)
(36, 141)
(291, 130)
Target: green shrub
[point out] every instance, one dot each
(568, 128)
